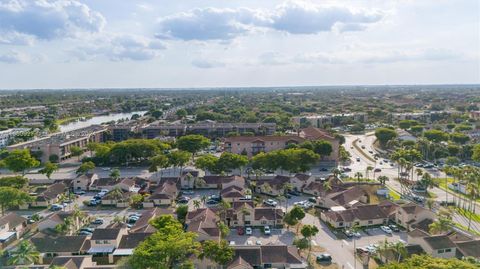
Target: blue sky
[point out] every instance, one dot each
(160, 43)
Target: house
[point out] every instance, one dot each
(439, 246)
(203, 222)
(266, 256)
(105, 241)
(118, 199)
(318, 187)
(58, 218)
(49, 195)
(300, 181)
(220, 182)
(84, 181)
(232, 193)
(470, 248)
(12, 226)
(274, 186)
(127, 244)
(244, 213)
(362, 215)
(50, 246)
(142, 225)
(125, 184)
(252, 145)
(73, 262)
(345, 198)
(410, 214)
(164, 195)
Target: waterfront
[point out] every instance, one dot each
(98, 120)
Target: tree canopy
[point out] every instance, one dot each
(429, 262)
(384, 135)
(20, 160)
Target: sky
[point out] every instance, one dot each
(206, 43)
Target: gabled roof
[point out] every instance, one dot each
(48, 244)
(266, 138)
(70, 262)
(203, 221)
(13, 219)
(105, 234)
(347, 196)
(132, 240)
(412, 208)
(52, 191)
(417, 233)
(142, 225)
(268, 213)
(469, 248)
(59, 217)
(313, 133)
(439, 242)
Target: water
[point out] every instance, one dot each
(98, 120)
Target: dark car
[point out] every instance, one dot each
(323, 169)
(240, 231)
(377, 170)
(324, 257)
(212, 202)
(183, 200)
(294, 193)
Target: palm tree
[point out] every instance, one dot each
(383, 179)
(204, 199)
(419, 172)
(196, 204)
(115, 174)
(25, 254)
(400, 249)
(359, 176)
(367, 171)
(472, 191)
(336, 172)
(443, 223)
(383, 248)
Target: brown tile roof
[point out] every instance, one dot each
(267, 138)
(132, 240)
(457, 237)
(53, 191)
(232, 192)
(362, 212)
(142, 225)
(13, 219)
(217, 179)
(268, 213)
(412, 208)
(280, 254)
(48, 244)
(70, 262)
(417, 233)
(239, 263)
(105, 234)
(469, 248)
(203, 220)
(347, 196)
(439, 242)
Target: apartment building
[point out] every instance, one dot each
(322, 121)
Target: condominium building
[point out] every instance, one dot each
(321, 121)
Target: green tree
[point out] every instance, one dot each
(49, 169)
(436, 135)
(308, 231)
(301, 243)
(290, 220)
(429, 262)
(193, 143)
(181, 113)
(297, 213)
(182, 211)
(219, 252)
(76, 152)
(169, 247)
(20, 160)
(459, 138)
(11, 197)
(115, 174)
(207, 162)
(178, 158)
(476, 153)
(24, 254)
(85, 168)
(17, 182)
(230, 161)
(384, 135)
(322, 148)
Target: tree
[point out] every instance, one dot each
(169, 247)
(297, 213)
(207, 162)
(17, 182)
(290, 220)
(76, 152)
(49, 169)
(181, 113)
(230, 161)
(322, 148)
(24, 254)
(428, 262)
(308, 231)
(115, 174)
(359, 176)
(196, 204)
(193, 143)
(384, 135)
(476, 153)
(224, 230)
(178, 158)
(442, 224)
(459, 138)
(436, 135)
(11, 197)
(301, 243)
(182, 212)
(20, 160)
(219, 252)
(136, 200)
(85, 168)
(383, 179)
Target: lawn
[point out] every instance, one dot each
(443, 185)
(468, 214)
(395, 195)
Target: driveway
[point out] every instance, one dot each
(278, 236)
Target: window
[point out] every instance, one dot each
(441, 251)
(448, 250)
(99, 242)
(370, 222)
(264, 222)
(340, 224)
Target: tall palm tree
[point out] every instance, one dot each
(204, 199)
(383, 249)
(400, 249)
(419, 172)
(196, 204)
(359, 176)
(367, 171)
(383, 179)
(473, 191)
(25, 254)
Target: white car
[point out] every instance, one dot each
(79, 192)
(270, 202)
(248, 231)
(266, 230)
(386, 229)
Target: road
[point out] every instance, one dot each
(391, 171)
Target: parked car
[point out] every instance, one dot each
(188, 192)
(85, 233)
(348, 233)
(132, 219)
(323, 169)
(240, 231)
(270, 202)
(386, 229)
(98, 221)
(294, 193)
(258, 243)
(93, 202)
(212, 202)
(79, 192)
(266, 230)
(394, 228)
(183, 200)
(377, 170)
(56, 207)
(87, 229)
(324, 257)
(347, 169)
(358, 159)
(248, 231)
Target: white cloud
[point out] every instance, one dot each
(14, 56)
(47, 19)
(116, 47)
(15, 38)
(294, 17)
(205, 63)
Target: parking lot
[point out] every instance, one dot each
(277, 236)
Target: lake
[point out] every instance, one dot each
(98, 120)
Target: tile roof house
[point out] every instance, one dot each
(105, 241)
(410, 214)
(345, 198)
(232, 193)
(440, 246)
(203, 222)
(267, 256)
(142, 225)
(274, 186)
(469, 248)
(49, 195)
(84, 181)
(244, 213)
(117, 199)
(50, 246)
(73, 262)
(125, 184)
(362, 215)
(220, 182)
(127, 244)
(164, 195)
(12, 226)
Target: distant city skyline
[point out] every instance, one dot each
(65, 44)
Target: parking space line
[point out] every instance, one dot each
(345, 242)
